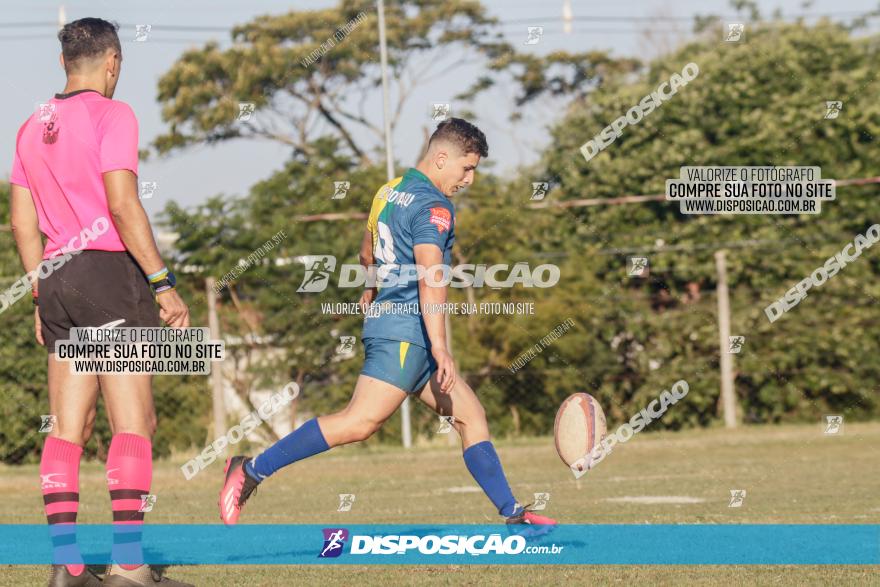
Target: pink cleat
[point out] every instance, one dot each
(237, 488)
(527, 517)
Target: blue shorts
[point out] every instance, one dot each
(402, 364)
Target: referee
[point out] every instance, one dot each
(74, 179)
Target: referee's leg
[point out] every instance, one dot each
(129, 401)
(72, 399)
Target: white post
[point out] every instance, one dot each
(728, 401)
(566, 16)
(405, 426)
(216, 373)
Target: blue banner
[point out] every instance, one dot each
(267, 544)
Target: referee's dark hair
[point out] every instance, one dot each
(86, 39)
(464, 135)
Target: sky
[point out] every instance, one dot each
(31, 74)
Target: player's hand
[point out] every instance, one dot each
(367, 298)
(172, 310)
(445, 369)
(38, 327)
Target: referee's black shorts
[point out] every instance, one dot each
(95, 288)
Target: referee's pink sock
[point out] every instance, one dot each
(59, 475)
(129, 475)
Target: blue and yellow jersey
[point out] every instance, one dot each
(407, 211)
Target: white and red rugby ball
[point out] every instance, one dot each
(580, 426)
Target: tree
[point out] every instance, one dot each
(755, 103)
(310, 73)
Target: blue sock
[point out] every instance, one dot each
(304, 442)
(64, 548)
(127, 547)
(483, 463)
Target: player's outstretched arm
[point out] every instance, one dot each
(431, 298)
(367, 260)
(134, 230)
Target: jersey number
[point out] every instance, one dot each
(384, 244)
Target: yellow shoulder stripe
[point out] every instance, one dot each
(378, 204)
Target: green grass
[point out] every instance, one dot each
(792, 474)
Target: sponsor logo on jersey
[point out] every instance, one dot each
(441, 218)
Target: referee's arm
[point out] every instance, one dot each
(131, 219)
(134, 229)
(26, 229)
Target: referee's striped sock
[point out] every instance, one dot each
(59, 474)
(129, 475)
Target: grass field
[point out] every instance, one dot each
(792, 474)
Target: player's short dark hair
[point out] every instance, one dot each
(463, 135)
(87, 38)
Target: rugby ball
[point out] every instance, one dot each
(580, 426)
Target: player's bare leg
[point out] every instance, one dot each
(371, 404)
(469, 420)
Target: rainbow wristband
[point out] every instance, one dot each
(165, 283)
(158, 275)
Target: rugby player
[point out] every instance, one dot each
(75, 167)
(411, 224)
